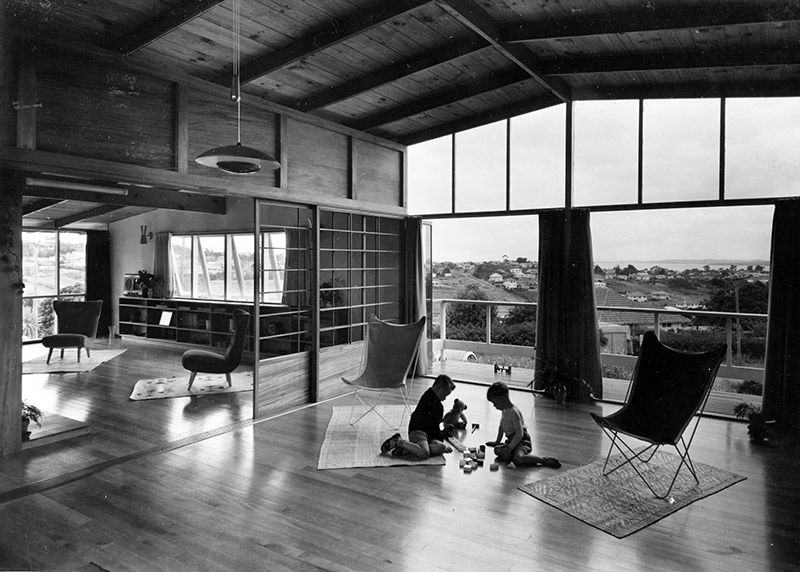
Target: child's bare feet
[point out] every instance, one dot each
(390, 443)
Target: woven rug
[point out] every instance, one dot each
(350, 446)
(204, 384)
(70, 362)
(621, 503)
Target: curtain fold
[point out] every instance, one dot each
(98, 274)
(162, 267)
(416, 303)
(566, 317)
(781, 401)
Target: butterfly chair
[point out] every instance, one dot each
(205, 361)
(668, 392)
(77, 323)
(389, 354)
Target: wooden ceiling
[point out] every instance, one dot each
(414, 70)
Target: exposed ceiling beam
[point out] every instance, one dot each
(534, 104)
(674, 61)
(471, 15)
(649, 17)
(139, 197)
(386, 75)
(691, 90)
(324, 38)
(97, 211)
(162, 25)
(39, 205)
(459, 93)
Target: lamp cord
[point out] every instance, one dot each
(236, 93)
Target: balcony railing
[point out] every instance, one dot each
(728, 370)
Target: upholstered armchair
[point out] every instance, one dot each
(76, 323)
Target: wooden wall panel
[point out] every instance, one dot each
(115, 115)
(212, 123)
(335, 362)
(283, 384)
(318, 159)
(378, 173)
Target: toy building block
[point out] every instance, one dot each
(468, 469)
(494, 466)
(462, 462)
(511, 465)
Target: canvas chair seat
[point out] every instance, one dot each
(390, 352)
(668, 392)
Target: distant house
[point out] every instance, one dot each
(516, 272)
(495, 277)
(510, 284)
(659, 295)
(600, 284)
(636, 297)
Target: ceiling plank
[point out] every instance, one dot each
(458, 93)
(648, 19)
(475, 18)
(97, 211)
(325, 38)
(39, 205)
(392, 73)
(162, 25)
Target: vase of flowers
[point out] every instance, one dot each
(147, 281)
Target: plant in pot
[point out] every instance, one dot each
(30, 414)
(147, 281)
(556, 379)
(757, 427)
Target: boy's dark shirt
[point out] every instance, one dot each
(428, 415)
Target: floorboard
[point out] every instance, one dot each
(248, 496)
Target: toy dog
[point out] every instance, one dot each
(455, 418)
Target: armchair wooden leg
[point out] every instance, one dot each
(62, 353)
(79, 355)
(49, 355)
(191, 379)
(228, 377)
(87, 352)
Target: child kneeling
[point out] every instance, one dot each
(517, 446)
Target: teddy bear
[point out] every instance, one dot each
(455, 418)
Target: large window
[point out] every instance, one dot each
(53, 267)
(213, 266)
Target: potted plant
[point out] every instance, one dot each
(555, 379)
(147, 281)
(30, 414)
(757, 428)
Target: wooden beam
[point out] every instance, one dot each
(39, 205)
(427, 60)
(492, 83)
(644, 18)
(672, 61)
(138, 197)
(690, 90)
(153, 29)
(321, 39)
(97, 211)
(474, 17)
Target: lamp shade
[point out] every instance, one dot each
(238, 159)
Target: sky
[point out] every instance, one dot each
(680, 162)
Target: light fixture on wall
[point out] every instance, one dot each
(145, 235)
(237, 159)
(74, 186)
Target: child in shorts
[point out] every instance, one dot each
(425, 436)
(517, 446)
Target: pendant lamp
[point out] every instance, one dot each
(237, 159)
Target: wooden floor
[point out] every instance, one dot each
(139, 493)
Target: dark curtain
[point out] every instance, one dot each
(782, 367)
(415, 297)
(162, 267)
(566, 318)
(98, 274)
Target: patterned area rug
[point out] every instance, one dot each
(204, 384)
(70, 362)
(621, 504)
(350, 446)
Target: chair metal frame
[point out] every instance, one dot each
(398, 379)
(614, 430)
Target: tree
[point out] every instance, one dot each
(598, 270)
(468, 321)
(521, 259)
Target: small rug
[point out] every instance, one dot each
(70, 362)
(621, 503)
(353, 446)
(204, 384)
